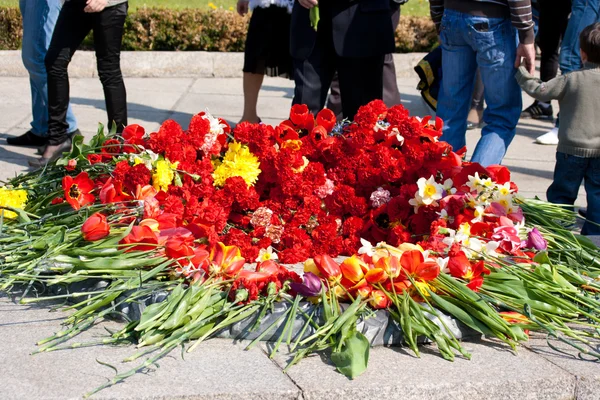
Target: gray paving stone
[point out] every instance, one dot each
(218, 369)
(586, 370)
(167, 63)
(494, 372)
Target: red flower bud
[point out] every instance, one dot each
(326, 118)
(95, 227)
(328, 268)
(143, 236)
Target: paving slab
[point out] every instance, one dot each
(218, 369)
(586, 369)
(494, 372)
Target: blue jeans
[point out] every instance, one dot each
(39, 18)
(569, 172)
(467, 43)
(583, 13)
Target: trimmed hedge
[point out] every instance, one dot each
(207, 30)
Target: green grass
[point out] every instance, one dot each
(413, 7)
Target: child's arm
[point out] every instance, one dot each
(542, 91)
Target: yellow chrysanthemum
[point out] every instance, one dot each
(163, 174)
(16, 198)
(238, 161)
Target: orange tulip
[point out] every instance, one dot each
(353, 268)
(328, 268)
(95, 227)
(390, 264)
(376, 275)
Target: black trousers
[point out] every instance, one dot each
(391, 93)
(554, 17)
(72, 27)
(361, 79)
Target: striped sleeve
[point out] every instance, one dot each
(436, 9)
(522, 19)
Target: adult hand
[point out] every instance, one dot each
(242, 7)
(93, 6)
(308, 3)
(526, 56)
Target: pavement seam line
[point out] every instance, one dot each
(264, 351)
(180, 99)
(577, 378)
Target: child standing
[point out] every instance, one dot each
(578, 151)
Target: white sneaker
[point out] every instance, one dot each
(550, 137)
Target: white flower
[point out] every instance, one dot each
(266, 254)
(479, 213)
(443, 263)
(447, 186)
(504, 189)
(416, 202)
(478, 184)
(443, 214)
(366, 248)
(429, 190)
(399, 137)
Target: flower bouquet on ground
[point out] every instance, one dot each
(208, 220)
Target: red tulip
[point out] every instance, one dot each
(226, 260)
(414, 265)
(179, 246)
(77, 190)
(95, 227)
(327, 267)
(143, 236)
(379, 300)
(326, 118)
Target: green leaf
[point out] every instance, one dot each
(352, 360)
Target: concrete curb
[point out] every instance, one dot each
(172, 64)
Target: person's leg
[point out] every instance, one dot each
(33, 51)
(361, 81)
(108, 34)
(251, 84)
(496, 53)
(548, 38)
(391, 93)
(459, 67)
(583, 13)
(54, 11)
(592, 192)
(568, 175)
(39, 19)
(71, 28)
(313, 75)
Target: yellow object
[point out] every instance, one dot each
(16, 198)
(238, 161)
(163, 174)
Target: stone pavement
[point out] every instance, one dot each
(220, 369)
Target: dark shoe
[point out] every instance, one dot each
(27, 139)
(42, 149)
(537, 111)
(41, 162)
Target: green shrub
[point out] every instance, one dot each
(207, 30)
